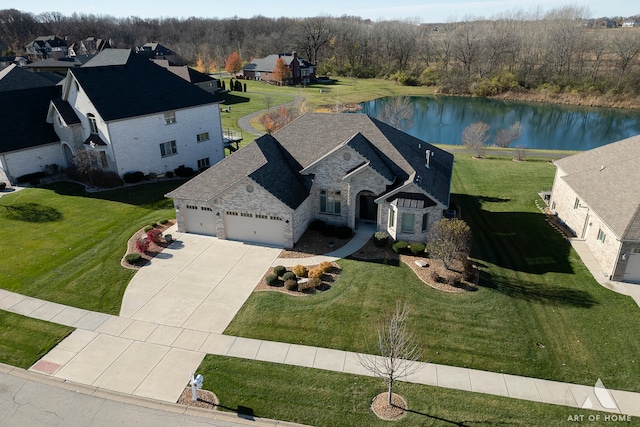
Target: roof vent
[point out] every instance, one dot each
(427, 158)
(601, 168)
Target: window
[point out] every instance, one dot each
(601, 235)
(330, 201)
(168, 149)
(407, 222)
(425, 222)
(392, 218)
(203, 163)
(170, 117)
(93, 125)
(202, 137)
(576, 204)
(103, 159)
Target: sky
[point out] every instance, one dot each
(423, 11)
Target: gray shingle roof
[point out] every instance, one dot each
(268, 63)
(263, 161)
(66, 111)
(607, 178)
(275, 161)
(16, 78)
(122, 84)
(23, 115)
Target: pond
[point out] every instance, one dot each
(441, 120)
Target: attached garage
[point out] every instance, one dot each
(255, 228)
(632, 272)
(200, 220)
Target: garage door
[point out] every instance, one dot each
(255, 228)
(632, 273)
(200, 220)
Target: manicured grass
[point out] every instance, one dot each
(24, 340)
(325, 398)
(538, 312)
(63, 245)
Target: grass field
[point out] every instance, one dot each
(24, 340)
(64, 245)
(324, 398)
(538, 312)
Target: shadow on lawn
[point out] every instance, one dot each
(519, 241)
(231, 99)
(546, 294)
(31, 212)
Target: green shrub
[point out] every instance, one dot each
(148, 228)
(435, 276)
(291, 284)
(344, 232)
(299, 270)
(169, 174)
(271, 279)
(133, 177)
(288, 276)
(154, 224)
(400, 246)
(417, 248)
(132, 258)
(163, 221)
(30, 177)
(316, 225)
(184, 172)
(381, 238)
(3, 185)
(279, 270)
(328, 230)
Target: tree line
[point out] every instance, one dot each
(555, 51)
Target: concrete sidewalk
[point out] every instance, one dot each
(361, 237)
(154, 361)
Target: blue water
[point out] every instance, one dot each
(441, 120)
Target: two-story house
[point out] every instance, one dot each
(136, 116)
(301, 71)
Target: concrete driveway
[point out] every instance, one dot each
(198, 283)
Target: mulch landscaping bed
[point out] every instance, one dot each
(313, 243)
(372, 252)
(206, 399)
(327, 280)
(380, 406)
(154, 248)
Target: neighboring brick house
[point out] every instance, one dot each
(156, 51)
(202, 80)
(342, 168)
(596, 193)
(302, 72)
(136, 116)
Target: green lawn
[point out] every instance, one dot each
(325, 398)
(24, 340)
(63, 245)
(537, 312)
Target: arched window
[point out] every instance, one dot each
(92, 123)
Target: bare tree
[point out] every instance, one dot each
(397, 346)
(504, 137)
(474, 136)
(398, 112)
(450, 240)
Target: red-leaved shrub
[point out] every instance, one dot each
(154, 235)
(142, 245)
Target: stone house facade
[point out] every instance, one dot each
(343, 169)
(595, 194)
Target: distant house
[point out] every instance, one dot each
(596, 193)
(630, 23)
(302, 72)
(27, 142)
(157, 51)
(136, 116)
(89, 46)
(45, 47)
(52, 65)
(343, 169)
(203, 81)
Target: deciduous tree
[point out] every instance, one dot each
(233, 64)
(450, 239)
(281, 73)
(397, 347)
(504, 137)
(474, 136)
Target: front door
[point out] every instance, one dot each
(368, 208)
